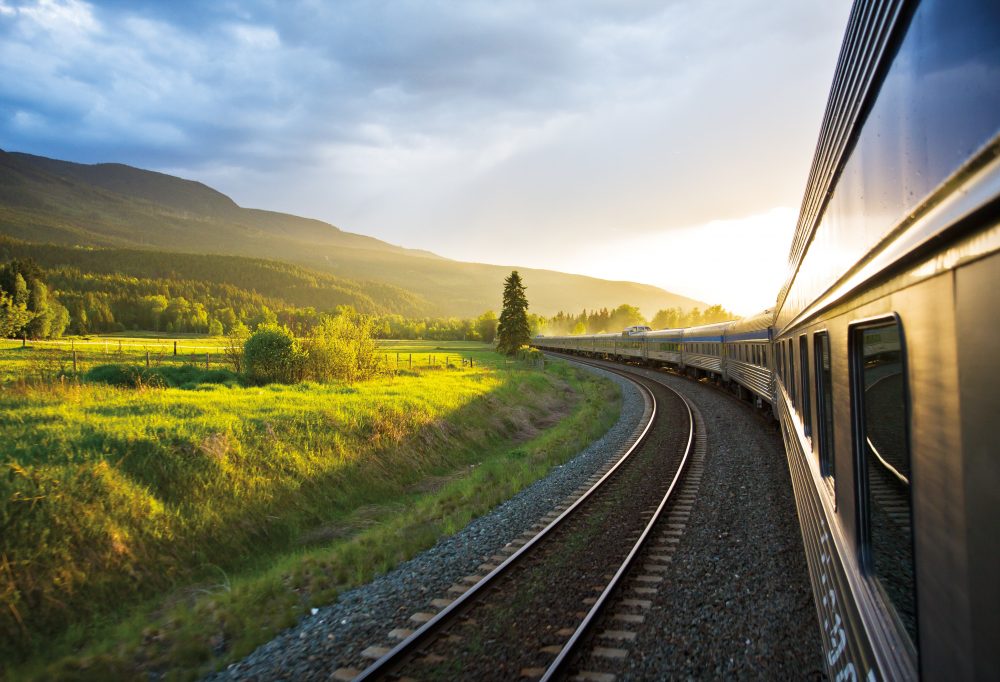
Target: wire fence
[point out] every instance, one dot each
(51, 359)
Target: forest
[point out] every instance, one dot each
(47, 291)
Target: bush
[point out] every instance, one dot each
(178, 376)
(343, 348)
(271, 354)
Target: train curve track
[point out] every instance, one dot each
(446, 639)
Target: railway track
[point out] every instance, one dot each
(540, 598)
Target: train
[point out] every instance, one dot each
(880, 356)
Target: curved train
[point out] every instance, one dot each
(880, 356)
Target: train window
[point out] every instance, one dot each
(780, 367)
(790, 356)
(824, 402)
(806, 395)
(882, 466)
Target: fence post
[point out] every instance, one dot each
(411, 360)
(147, 359)
(175, 348)
(24, 340)
(207, 359)
(74, 362)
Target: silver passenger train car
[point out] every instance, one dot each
(880, 357)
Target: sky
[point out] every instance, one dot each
(660, 142)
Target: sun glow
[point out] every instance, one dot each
(740, 263)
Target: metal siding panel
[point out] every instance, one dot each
(928, 327)
(977, 310)
(842, 630)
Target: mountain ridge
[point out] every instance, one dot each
(112, 205)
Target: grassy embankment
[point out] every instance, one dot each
(171, 531)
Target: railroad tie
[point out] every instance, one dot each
(593, 676)
(637, 603)
(609, 652)
(375, 652)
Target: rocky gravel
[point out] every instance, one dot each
(736, 603)
(334, 636)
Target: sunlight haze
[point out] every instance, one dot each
(603, 138)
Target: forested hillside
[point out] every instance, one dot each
(116, 206)
(119, 289)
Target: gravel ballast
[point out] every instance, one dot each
(737, 602)
(334, 636)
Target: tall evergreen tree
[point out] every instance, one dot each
(513, 331)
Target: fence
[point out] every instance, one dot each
(49, 359)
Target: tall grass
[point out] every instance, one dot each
(112, 496)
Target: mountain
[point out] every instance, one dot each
(117, 206)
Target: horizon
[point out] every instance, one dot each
(598, 142)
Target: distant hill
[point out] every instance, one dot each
(117, 206)
(280, 283)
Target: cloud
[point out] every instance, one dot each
(477, 129)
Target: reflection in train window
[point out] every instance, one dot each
(824, 402)
(790, 356)
(806, 396)
(882, 463)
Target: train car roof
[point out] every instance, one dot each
(708, 331)
(657, 333)
(753, 326)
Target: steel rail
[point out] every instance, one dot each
(562, 659)
(891, 469)
(382, 666)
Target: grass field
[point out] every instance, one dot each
(171, 530)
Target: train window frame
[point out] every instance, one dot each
(780, 370)
(805, 385)
(824, 406)
(855, 333)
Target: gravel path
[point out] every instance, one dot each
(334, 636)
(737, 602)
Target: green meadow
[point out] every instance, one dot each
(168, 530)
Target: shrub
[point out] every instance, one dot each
(128, 376)
(271, 354)
(343, 348)
(178, 376)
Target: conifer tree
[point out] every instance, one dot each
(513, 331)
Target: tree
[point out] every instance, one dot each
(13, 316)
(486, 326)
(236, 339)
(625, 316)
(513, 331)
